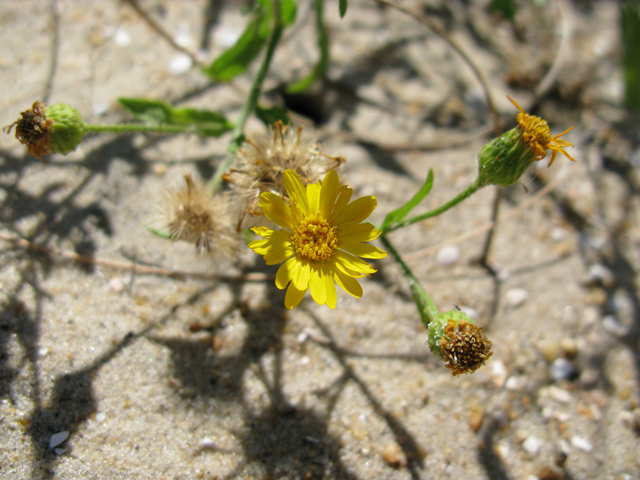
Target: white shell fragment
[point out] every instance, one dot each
(448, 255)
(180, 63)
(532, 445)
(57, 439)
(581, 443)
(516, 296)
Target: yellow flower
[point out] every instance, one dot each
(322, 239)
(535, 132)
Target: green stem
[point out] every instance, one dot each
(136, 128)
(252, 100)
(466, 193)
(426, 308)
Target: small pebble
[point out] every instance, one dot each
(550, 349)
(116, 284)
(476, 418)
(180, 63)
(569, 346)
(59, 451)
(100, 417)
(448, 255)
(581, 443)
(612, 325)
(394, 456)
(513, 383)
(122, 38)
(516, 296)
(57, 439)
(532, 445)
(498, 373)
(561, 369)
(207, 444)
(599, 274)
(160, 169)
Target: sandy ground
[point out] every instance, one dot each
(180, 378)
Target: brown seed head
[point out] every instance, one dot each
(465, 347)
(195, 217)
(34, 130)
(260, 163)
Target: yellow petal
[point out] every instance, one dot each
(264, 232)
(347, 263)
(301, 276)
(285, 273)
(329, 193)
(293, 296)
(329, 286)
(363, 250)
(313, 197)
(359, 232)
(341, 202)
(348, 284)
(296, 189)
(278, 254)
(276, 210)
(260, 246)
(317, 286)
(356, 211)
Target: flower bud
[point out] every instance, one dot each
(67, 130)
(456, 339)
(503, 160)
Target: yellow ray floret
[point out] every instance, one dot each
(322, 241)
(535, 132)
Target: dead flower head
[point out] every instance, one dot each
(195, 217)
(260, 163)
(34, 130)
(457, 340)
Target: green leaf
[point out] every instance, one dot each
(150, 111)
(630, 26)
(156, 112)
(159, 233)
(237, 59)
(343, 8)
(398, 215)
(288, 10)
(271, 115)
(507, 8)
(323, 63)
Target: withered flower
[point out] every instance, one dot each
(457, 340)
(34, 130)
(56, 129)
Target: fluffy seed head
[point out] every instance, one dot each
(193, 216)
(260, 163)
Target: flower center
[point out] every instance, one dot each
(536, 133)
(315, 238)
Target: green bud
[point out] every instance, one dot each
(67, 130)
(455, 338)
(504, 159)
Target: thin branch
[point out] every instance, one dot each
(489, 225)
(426, 21)
(132, 267)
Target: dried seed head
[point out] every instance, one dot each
(457, 340)
(57, 129)
(259, 165)
(193, 216)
